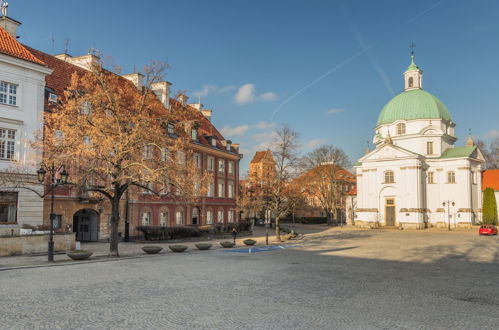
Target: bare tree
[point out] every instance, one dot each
(490, 153)
(325, 177)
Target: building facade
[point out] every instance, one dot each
(416, 177)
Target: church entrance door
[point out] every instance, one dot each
(390, 212)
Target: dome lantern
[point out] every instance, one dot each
(413, 76)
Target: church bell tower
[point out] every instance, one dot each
(413, 76)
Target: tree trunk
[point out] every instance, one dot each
(329, 218)
(278, 229)
(115, 220)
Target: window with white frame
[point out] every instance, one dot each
(86, 108)
(87, 140)
(400, 129)
(179, 217)
(230, 190)
(7, 143)
(8, 93)
(8, 207)
(211, 190)
(197, 160)
(220, 216)
(221, 189)
(230, 216)
(389, 177)
(165, 154)
(180, 157)
(163, 219)
(211, 163)
(431, 177)
(451, 177)
(170, 129)
(230, 168)
(221, 165)
(146, 218)
(209, 217)
(148, 151)
(52, 98)
(429, 148)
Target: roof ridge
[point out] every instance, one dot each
(10, 46)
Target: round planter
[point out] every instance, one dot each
(178, 248)
(151, 249)
(249, 242)
(79, 254)
(204, 246)
(227, 244)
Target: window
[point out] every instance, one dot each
(148, 152)
(170, 129)
(86, 108)
(211, 163)
(211, 190)
(221, 188)
(165, 154)
(7, 143)
(57, 221)
(400, 129)
(179, 217)
(195, 216)
(230, 216)
(163, 219)
(146, 218)
(220, 216)
(230, 192)
(230, 168)
(221, 165)
(197, 160)
(52, 98)
(180, 157)
(209, 217)
(87, 140)
(213, 142)
(194, 134)
(411, 82)
(389, 178)
(451, 177)
(429, 148)
(8, 93)
(8, 207)
(431, 177)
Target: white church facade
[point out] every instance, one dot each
(415, 177)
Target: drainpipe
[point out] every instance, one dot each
(127, 217)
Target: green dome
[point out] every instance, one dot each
(413, 104)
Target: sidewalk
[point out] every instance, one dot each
(127, 250)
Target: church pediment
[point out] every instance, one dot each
(388, 152)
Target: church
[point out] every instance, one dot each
(416, 177)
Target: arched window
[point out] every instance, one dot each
(400, 129)
(163, 218)
(389, 178)
(411, 82)
(451, 177)
(220, 216)
(209, 217)
(195, 216)
(146, 218)
(179, 217)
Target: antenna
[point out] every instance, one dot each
(66, 45)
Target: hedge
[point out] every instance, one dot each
(489, 206)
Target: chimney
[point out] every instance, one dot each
(8, 24)
(207, 114)
(85, 61)
(229, 143)
(136, 78)
(183, 99)
(162, 91)
(236, 147)
(197, 106)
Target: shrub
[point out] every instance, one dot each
(489, 206)
(318, 220)
(155, 233)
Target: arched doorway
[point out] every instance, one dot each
(86, 225)
(195, 216)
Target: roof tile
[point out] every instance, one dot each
(10, 46)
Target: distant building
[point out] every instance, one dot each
(490, 178)
(416, 177)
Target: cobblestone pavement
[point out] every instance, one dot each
(335, 279)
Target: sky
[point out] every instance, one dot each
(325, 68)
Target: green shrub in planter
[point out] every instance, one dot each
(178, 248)
(151, 249)
(249, 241)
(79, 254)
(227, 244)
(204, 246)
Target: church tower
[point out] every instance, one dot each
(413, 76)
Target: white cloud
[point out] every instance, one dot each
(235, 131)
(268, 96)
(312, 144)
(264, 125)
(492, 134)
(334, 111)
(245, 94)
(208, 89)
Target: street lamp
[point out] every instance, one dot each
(267, 219)
(448, 203)
(63, 179)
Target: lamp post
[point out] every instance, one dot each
(267, 219)
(448, 203)
(54, 182)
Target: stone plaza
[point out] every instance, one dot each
(333, 278)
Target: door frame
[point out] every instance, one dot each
(394, 210)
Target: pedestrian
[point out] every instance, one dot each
(234, 234)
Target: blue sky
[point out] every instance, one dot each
(326, 68)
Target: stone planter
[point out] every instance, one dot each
(227, 244)
(204, 246)
(79, 254)
(151, 249)
(249, 241)
(178, 248)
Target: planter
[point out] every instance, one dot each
(204, 246)
(151, 249)
(227, 244)
(79, 254)
(178, 248)
(249, 241)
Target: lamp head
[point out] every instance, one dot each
(64, 175)
(41, 174)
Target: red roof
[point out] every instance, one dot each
(10, 46)
(490, 178)
(261, 155)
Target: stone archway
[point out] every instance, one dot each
(86, 225)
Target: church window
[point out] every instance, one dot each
(431, 177)
(389, 178)
(451, 177)
(400, 129)
(411, 82)
(429, 148)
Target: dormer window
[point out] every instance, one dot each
(170, 129)
(52, 98)
(401, 129)
(213, 141)
(194, 132)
